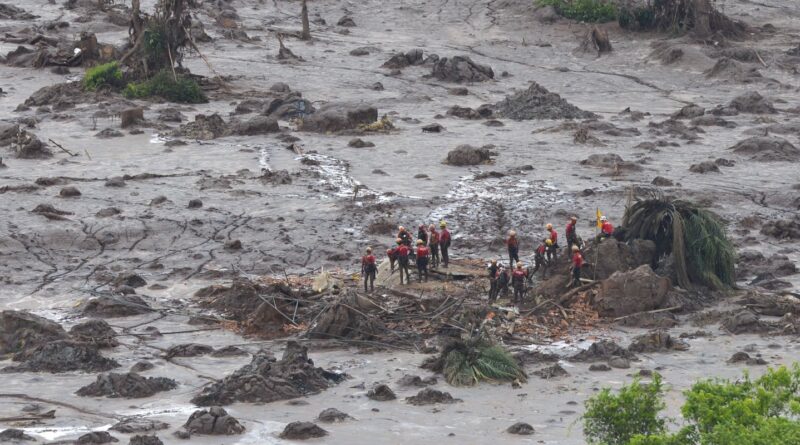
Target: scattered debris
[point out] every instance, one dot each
(538, 103)
(333, 415)
(429, 396)
(381, 393)
(302, 431)
(129, 386)
(213, 421)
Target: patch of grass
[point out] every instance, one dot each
(594, 11)
(106, 75)
(164, 85)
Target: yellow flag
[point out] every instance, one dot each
(599, 215)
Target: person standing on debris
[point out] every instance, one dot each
(493, 268)
(538, 258)
(433, 244)
(502, 281)
(404, 236)
(577, 265)
(606, 229)
(444, 243)
(369, 269)
(422, 234)
(402, 260)
(571, 233)
(513, 247)
(392, 254)
(423, 254)
(518, 281)
(552, 249)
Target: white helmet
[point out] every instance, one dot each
(603, 218)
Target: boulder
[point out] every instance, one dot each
(464, 155)
(96, 437)
(129, 386)
(704, 167)
(302, 431)
(461, 69)
(767, 149)
(626, 293)
(429, 396)
(14, 435)
(752, 102)
(521, 429)
(188, 350)
(657, 341)
(603, 350)
(616, 256)
(145, 440)
(332, 415)
(256, 125)
(381, 393)
(22, 331)
(332, 118)
(131, 425)
(213, 421)
(110, 306)
(96, 332)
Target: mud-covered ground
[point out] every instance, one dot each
(49, 266)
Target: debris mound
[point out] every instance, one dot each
(335, 117)
(129, 385)
(188, 350)
(111, 306)
(429, 396)
(468, 155)
(611, 161)
(657, 341)
(417, 381)
(749, 102)
(742, 322)
(62, 356)
(145, 440)
(402, 60)
(11, 12)
(213, 421)
(302, 431)
(551, 372)
(14, 435)
(332, 415)
(727, 68)
(96, 332)
(602, 350)
(782, 229)
(538, 103)
(521, 428)
(743, 357)
(266, 379)
(131, 425)
(254, 126)
(203, 128)
(629, 292)
(22, 331)
(28, 146)
(96, 437)
(460, 69)
(347, 318)
(381, 393)
(767, 149)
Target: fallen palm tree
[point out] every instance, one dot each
(467, 362)
(695, 237)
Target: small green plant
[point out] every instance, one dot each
(467, 362)
(106, 75)
(164, 85)
(717, 412)
(615, 419)
(595, 11)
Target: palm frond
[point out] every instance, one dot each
(467, 362)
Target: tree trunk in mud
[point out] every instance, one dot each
(304, 14)
(702, 13)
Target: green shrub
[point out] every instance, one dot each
(717, 412)
(105, 75)
(164, 85)
(616, 419)
(597, 11)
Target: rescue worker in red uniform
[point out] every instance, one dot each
(518, 281)
(444, 243)
(577, 265)
(571, 233)
(422, 234)
(493, 290)
(433, 244)
(392, 255)
(513, 247)
(402, 260)
(369, 269)
(606, 229)
(423, 255)
(538, 259)
(404, 236)
(502, 281)
(552, 250)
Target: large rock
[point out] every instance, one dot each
(131, 425)
(615, 256)
(657, 341)
(62, 356)
(302, 431)
(767, 149)
(129, 386)
(96, 437)
(255, 126)
(213, 421)
(538, 103)
(468, 155)
(461, 69)
(626, 293)
(266, 379)
(22, 331)
(108, 306)
(335, 117)
(97, 332)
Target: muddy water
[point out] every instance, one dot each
(50, 266)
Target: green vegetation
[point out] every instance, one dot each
(467, 362)
(696, 237)
(164, 85)
(597, 11)
(107, 75)
(717, 412)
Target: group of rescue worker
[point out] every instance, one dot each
(425, 252)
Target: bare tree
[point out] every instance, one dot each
(304, 15)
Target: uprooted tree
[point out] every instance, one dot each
(695, 238)
(157, 40)
(698, 17)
